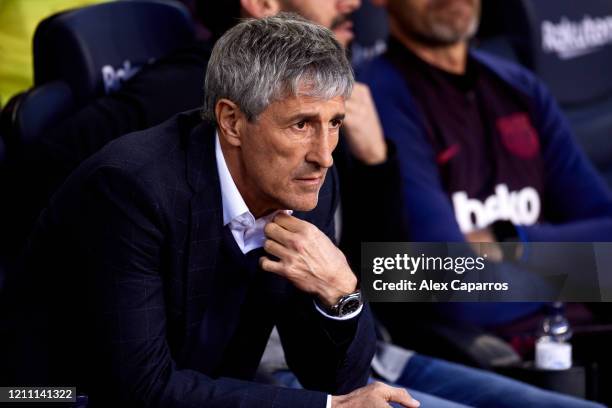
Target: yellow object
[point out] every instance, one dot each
(18, 21)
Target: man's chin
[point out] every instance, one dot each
(442, 33)
(303, 203)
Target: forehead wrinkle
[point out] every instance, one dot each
(306, 107)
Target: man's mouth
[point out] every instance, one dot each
(342, 23)
(310, 180)
(345, 26)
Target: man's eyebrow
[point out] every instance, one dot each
(313, 117)
(304, 116)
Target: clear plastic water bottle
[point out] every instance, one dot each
(553, 350)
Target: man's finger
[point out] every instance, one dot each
(274, 248)
(401, 396)
(289, 222)
(276, 232)
(269, 265)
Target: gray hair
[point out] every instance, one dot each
(260, 61)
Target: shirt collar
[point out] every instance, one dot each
(233, 203)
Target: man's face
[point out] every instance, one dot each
(436, 22)
(287, 150)
(333, 14)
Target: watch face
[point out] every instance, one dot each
(349, 307)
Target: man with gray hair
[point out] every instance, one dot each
(184, 244)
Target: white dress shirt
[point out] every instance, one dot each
(247, 231)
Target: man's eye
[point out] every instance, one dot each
(336, 123)
(301, 125)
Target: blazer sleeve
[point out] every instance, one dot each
(132, 363)
(327, 355)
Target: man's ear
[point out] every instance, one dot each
(229, 121)
(260, 8)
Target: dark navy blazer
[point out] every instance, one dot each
(134, 291)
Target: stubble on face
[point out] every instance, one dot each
(325, 13)
(437, 22)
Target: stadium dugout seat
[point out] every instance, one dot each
(568, 44)
(371, 32)
(27, 115)
(83, 53)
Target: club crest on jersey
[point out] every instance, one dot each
(521, 207)
(518, 135)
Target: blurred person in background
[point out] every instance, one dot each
(485, 153)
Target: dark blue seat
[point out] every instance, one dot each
(371, 31)
(87, 52)
(93, 48)
(568, 44)
(34, 111)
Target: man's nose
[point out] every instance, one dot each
(321, 149)
(348, 6)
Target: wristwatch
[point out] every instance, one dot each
(346, 305)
